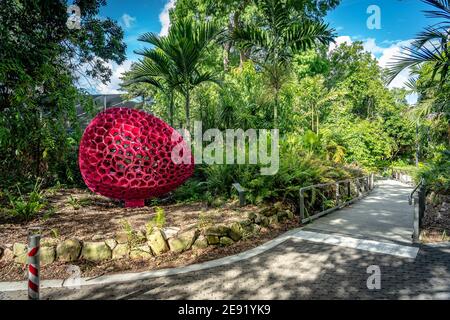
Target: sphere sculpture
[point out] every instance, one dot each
(126, 154)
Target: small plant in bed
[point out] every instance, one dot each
(27, 207)
(158, 221)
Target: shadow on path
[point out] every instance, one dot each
(383, 215)
(293, 270)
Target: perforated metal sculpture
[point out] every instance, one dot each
(125, 154)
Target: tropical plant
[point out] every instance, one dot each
(26, 207)
(431, 45)
(158, 221)
(277, 37)
(155, 70)
(175, 62)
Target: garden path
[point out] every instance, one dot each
(329, 259)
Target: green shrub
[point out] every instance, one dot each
(437, 172)
(74, 202)
(29, 206)
(134, 238)
(158, 221)
(192, 190)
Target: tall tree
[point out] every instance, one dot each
(431, 51)
(180, 54)
(430, 46)
(234, 14)
(40, 61)
(277, 37)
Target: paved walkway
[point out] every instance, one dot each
(292, 270)
(383, 215)
(326, 263)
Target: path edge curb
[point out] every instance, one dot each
(126, 277)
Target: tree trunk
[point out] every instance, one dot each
(275, 111)
(236, 22)
(317, 126)
(417, 145)
(38, 153)
(187, 110)
(171, 108)
(226, 55)
(242, 58)
(227, 45)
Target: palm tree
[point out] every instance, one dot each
(430, 49)
(177, 58)
(279, 36)
(156, 70)
(431, 45)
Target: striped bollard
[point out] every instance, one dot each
(33, 267)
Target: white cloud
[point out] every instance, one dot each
(339, 41)
(164, 17)
(113, 86)
(387, 57)
(384, 55)
(128, 20)
(370, 45)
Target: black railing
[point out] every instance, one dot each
(320, 199)
(419, 205)
(403, 176)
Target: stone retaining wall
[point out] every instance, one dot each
(140, 245)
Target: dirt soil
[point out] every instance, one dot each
(81, 214)
(436, 223)
(59, 270)
(84, 215)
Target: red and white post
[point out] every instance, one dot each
(33, 267)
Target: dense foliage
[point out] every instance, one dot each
(231, 64)
(333, 109)
(41, 60)
(428, 58)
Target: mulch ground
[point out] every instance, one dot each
(81, 214)
(59, 270)
(76, 213)
(436, 223)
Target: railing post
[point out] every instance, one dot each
(338, 196)
(302, 206)
(372, 185)
(349, 190)
(241, 192)
(422, 203)
(358, 187)
(416, 222)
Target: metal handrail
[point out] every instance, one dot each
(368, 185)
(410, 197)
(419, 208)
(331, 183)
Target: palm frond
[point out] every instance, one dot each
(442, 9)
(416, 56)
(306, 35)
(201, 77)
(431, 35)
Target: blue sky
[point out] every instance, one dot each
(401, 20)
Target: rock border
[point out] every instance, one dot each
(138, 245)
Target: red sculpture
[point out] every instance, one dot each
(125, 154)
